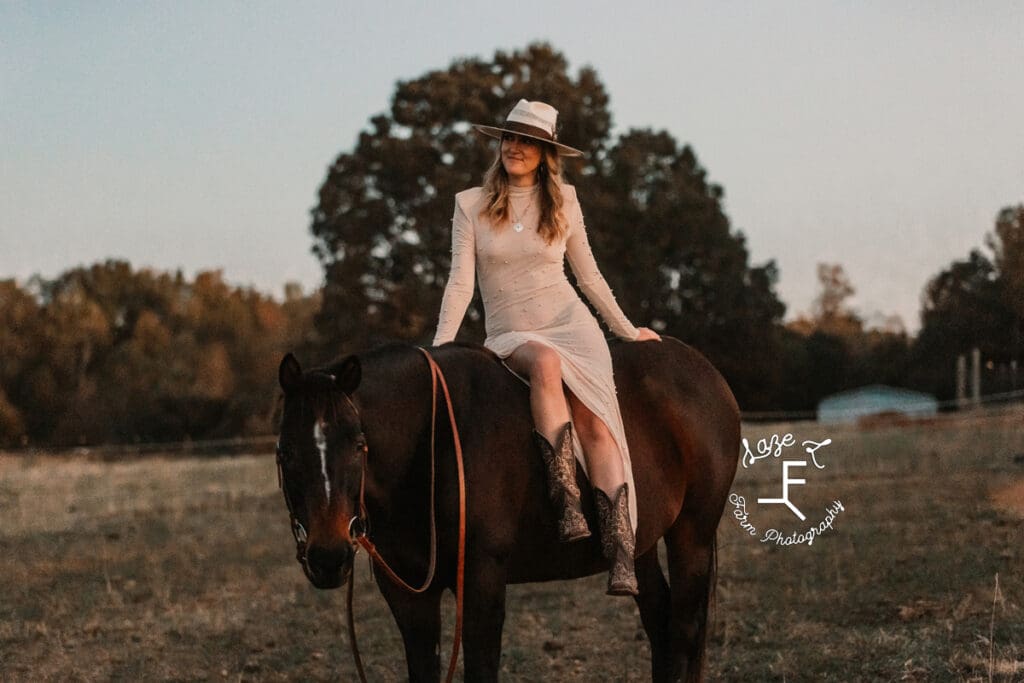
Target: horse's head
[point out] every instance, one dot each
(320, 453)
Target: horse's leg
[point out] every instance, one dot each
(691, 558)
(484, 617)
(419, 620)
(655, 613)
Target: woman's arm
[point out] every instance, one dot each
(593, 284)
(459, 290)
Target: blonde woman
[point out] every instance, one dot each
(513, 234)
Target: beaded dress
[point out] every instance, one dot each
(527, 297)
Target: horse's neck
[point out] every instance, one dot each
(396, 419)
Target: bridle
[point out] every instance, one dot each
(358, 525)
(298, 531)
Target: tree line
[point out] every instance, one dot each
(110, 354)
(107, 353)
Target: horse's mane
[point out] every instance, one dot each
(397, 349)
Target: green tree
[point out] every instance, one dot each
(1007, 244)
(974, 303)
(831, 350)
(382, 224)
(666, 247)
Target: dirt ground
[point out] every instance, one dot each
(1010, 498)
(183, 570)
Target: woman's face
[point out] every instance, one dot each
(520, 156)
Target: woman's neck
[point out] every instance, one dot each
(526, 180)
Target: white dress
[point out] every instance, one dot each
(527, 297)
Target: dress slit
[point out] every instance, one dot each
(587, 392)
(527, 296)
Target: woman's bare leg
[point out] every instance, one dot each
(604, 462)
(550, 408)
(611, 497)
(542, 366)
(553, 433)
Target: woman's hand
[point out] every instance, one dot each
(646, 334)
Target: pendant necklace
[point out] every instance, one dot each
(518, 225)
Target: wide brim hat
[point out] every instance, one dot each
(533, 120)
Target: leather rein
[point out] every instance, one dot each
(358, 526)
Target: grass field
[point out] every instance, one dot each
(183, 569)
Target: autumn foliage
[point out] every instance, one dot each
(106, 353)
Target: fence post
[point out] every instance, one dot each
(961, 381)
(976, 377)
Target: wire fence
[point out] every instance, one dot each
(992, 406)
(948, 409)
(207, 448)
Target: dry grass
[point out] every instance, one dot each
(182, 569)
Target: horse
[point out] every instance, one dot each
(361, 427)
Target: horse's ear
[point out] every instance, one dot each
(289, 374)
(347, 374)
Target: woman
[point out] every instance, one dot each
(514, 233)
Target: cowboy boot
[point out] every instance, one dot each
(617, 539)
(562, 488)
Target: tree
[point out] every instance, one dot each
(20, 332)
(666, 246)
(106, 353)
(831, 314)
(827, 340)
(974, 303)
(382, 225)
(832, 350)
(1007, 244)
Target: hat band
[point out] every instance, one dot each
(527, 129)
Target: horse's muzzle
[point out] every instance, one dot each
(329, 566)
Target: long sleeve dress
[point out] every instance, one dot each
(527, 297)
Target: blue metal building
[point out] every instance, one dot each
(849, 406)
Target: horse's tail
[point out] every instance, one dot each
(700, 660)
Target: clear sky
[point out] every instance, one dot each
(883, 136)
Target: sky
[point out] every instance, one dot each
(194, 135)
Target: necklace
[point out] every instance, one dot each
(518, 225)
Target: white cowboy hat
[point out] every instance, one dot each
(533, 120)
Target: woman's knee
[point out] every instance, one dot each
(545, 365)
(591, 429)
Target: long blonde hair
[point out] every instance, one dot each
(553, 224)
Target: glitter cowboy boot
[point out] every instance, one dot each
(562, 488)
(617, 539)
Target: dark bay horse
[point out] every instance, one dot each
(682, 425)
